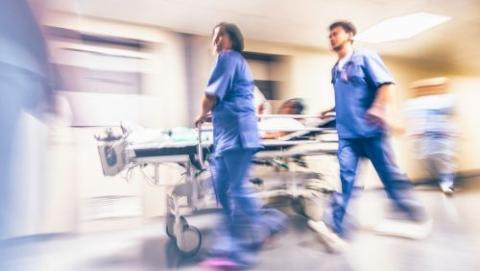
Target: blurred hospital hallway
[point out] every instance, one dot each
(104, 168)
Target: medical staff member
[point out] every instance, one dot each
(229, 98)
(433, 130)
(363, 87)
(25, 86)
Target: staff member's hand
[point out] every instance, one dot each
(326, 114)
(379, 115)
(202, 118)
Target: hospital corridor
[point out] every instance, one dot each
(239, 135)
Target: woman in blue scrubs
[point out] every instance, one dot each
(229, 98)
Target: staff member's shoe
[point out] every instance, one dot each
(447, 189)
(220, 264)
(225, 263)
(332, 241)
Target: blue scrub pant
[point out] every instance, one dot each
(241, 212)
(396, 183)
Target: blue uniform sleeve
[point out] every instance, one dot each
(221, 76)
(376, 71)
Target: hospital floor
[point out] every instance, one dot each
(454, 243)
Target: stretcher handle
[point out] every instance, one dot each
(199, 146)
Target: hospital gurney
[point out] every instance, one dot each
(118, 153)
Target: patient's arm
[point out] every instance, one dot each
(274, 135)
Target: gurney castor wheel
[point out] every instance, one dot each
(298, 205)
(169, 224)
(189, 240)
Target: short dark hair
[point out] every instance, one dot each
(346, 25)
(234, 34)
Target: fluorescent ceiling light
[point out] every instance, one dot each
(399, 28)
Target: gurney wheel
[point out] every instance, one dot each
(170, 225)
(189, 241)
(170, 222)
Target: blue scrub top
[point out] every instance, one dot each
(356, 86)
(234, 118)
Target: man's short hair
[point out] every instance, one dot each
(346, 25)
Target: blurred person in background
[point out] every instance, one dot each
(363, 90)
(25, 86)
(432, 129)
(229, 98)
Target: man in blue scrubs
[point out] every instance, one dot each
(363, 87)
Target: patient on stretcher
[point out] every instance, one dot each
(280, 127)
(293, 106)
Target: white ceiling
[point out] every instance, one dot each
(305, 22)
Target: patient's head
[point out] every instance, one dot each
(293, 106)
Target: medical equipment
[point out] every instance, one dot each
(195, 192)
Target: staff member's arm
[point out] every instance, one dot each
(377, 112)
(220, 79)
(383, 110)
(206, 106)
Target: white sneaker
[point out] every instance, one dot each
(447, 189)
(332, 241)
(404, 229)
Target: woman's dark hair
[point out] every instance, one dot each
(233, 33)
